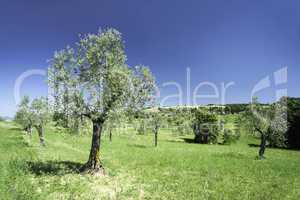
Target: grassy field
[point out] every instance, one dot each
(176, 169)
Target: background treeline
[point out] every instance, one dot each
(180, 120)
(228, 120)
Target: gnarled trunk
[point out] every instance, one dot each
(93, 165)
(40, 130)
(263, 143)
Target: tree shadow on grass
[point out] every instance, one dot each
(272, 147)
(58, 168)
(189, 140)
(183, 140)
(174, 141)
(137, 146)
(15, 129)
(253, 145)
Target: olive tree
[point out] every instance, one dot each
(269, 121)
(40, 116)
(24, 115)
(99, 83)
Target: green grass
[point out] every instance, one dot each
(176, 169)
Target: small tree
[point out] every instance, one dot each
(181, 118)
(267, 121)
(24, 116)
(99, 83)
(112, 122)
(141, 123)
(155, 123)
(40, 116)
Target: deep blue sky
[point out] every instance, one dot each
(219, 40)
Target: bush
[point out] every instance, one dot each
(230, 136)
(205, 127)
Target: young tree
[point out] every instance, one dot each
(40, 116)
(140, 123)
(181, 118)
(24, 115)
(155, 123)
(270, 122)
(112, 122)
(100, 82)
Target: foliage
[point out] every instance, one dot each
(182, 119)
(293, 112)
(230, 136)
(24, 115)
(97, 77)
(39, 111)
(235, 108)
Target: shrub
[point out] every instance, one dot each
(205, 127)
(230, 136)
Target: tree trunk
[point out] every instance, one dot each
(156, 133)
(205, 138)
(93, 165)
(197, 133)
(40, 130)
(110, 135)
(263, 142)
(29, 131)
(76, 126)
(155, 138)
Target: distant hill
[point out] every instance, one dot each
(6, 118)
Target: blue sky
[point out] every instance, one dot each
(219, 40)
